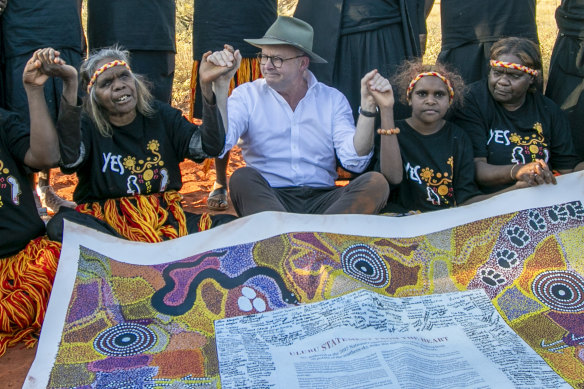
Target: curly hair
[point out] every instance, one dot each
(91, 104)
(526, 50)
(409, 70)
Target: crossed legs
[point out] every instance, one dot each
(251, 193)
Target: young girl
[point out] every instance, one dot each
(436, 155)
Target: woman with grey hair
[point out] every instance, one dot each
(126, 147)
(98, 113)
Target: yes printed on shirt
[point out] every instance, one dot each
(520, 147)
(144, 175)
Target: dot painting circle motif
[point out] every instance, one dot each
(560, 290)
(363, 263)
(124, 339)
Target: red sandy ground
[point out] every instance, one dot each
(197, 184)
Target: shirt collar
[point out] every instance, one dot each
(310, 79)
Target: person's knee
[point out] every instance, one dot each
(377, 183)
(55, 225)
(241, 177)
(377, 188)
(366, 194)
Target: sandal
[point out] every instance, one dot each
(217, 200)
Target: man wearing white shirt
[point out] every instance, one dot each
(291, 127)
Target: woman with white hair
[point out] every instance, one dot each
(126, 147)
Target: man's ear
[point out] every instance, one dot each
(304, 62)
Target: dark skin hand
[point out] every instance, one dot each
(535, 173)
(219, 67)
(48, 63)
(43, 151)
(532, 173)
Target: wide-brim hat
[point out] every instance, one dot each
(291, 31)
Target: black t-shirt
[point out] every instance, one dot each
(218, 22)
(537, 130)
(19, 219)
(438, 169)
(140, 158)
(465, 21)
(134, 24)
(29, 25)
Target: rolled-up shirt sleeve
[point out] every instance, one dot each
(238, 112)
(343, 133)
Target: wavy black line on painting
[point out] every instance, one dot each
(225, 281)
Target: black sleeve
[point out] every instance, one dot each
(69, 133)
(563, 155)
(472, 119)
(212, 130)
(464, 183)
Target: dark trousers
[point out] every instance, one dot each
(250, 193)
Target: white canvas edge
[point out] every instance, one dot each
(262, 226)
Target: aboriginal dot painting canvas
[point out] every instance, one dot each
(135, 315)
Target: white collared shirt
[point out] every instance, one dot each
(294, 148)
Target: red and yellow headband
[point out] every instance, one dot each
(434, 74)
(102, 69)
(516, 66)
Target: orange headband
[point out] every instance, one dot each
(102, 69)
(516, 66)
(434, 74)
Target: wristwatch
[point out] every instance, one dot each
(368, 114)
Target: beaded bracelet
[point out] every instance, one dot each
(390, 131)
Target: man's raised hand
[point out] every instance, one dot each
(219, 65)
(378, 88)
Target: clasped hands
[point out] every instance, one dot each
(217, 69)
(376, 91)
(46, 63)
(535, 173)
